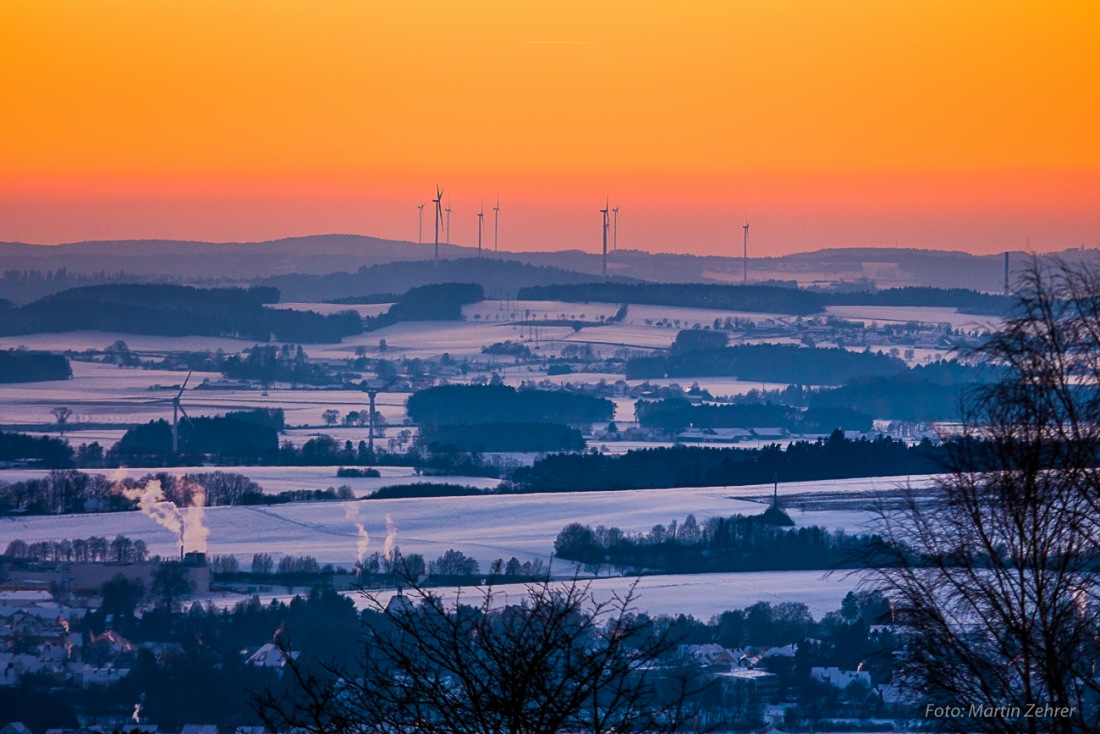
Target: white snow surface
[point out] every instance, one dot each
(700, 595)
(363, 309)
(705, 595)
(485, 527)
(104, 393)
(275, 479)
(906, 314)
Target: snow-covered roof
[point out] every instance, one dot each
(24, 597)
(747, 674)
(270, 656)
(199, 729)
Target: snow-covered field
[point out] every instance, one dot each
(706, 595)
(537, 311)
(485, 527)
(104, 393)
(716, 386)
(105, 437)
(688, 317)
(624, 336)
(432, 338)
(275, 479)
(700, 595)
(82, 340)
(363, 309)
(906, 314)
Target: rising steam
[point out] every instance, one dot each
(351, 512)
(186, 523)
(391, 538)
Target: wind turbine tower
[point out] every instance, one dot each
(420, 231)
(606, 224)
(615, 230)
(480, 222)
(449, 210)
(438, 201)
(177, 411)
(745, 256)
(178, 408)
(496, 226)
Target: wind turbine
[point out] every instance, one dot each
(177, 411)
(496, 225)
(745, 257)
(438, 215)
(449, 210)
(480, 222)
(373, 388)
(604, 211)
(420, 231)
(615, 236)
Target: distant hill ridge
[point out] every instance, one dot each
(245, 262)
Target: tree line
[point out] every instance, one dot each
(673, 415)
(764, 298)
(769, 363)
(929, 392)
(720, 544)
(19, 365)
(226, 436)
(176, 310)
(466, 404)
(432, 302)
(92, 549)
(269, 364)
(835, 457)
(50, 452)
(70, 492)
(23, 286)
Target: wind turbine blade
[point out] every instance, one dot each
(186, 417)
(183, 385)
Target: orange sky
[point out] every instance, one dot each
(967, 125)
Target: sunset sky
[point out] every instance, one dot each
(958, 125)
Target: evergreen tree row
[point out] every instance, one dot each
(19, 365)
(834, 457)
(721, 544)
(769, 363)
(467, 404)
(675, 414)
(175, 310)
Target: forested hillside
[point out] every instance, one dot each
(174, 310)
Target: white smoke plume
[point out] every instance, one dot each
(152, 503)
(187, 524)
(351, 512)
(195, 531)
(391, 538)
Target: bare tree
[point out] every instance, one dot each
(170, 582)
(996, 570)
(62, 415)
(555, 660)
